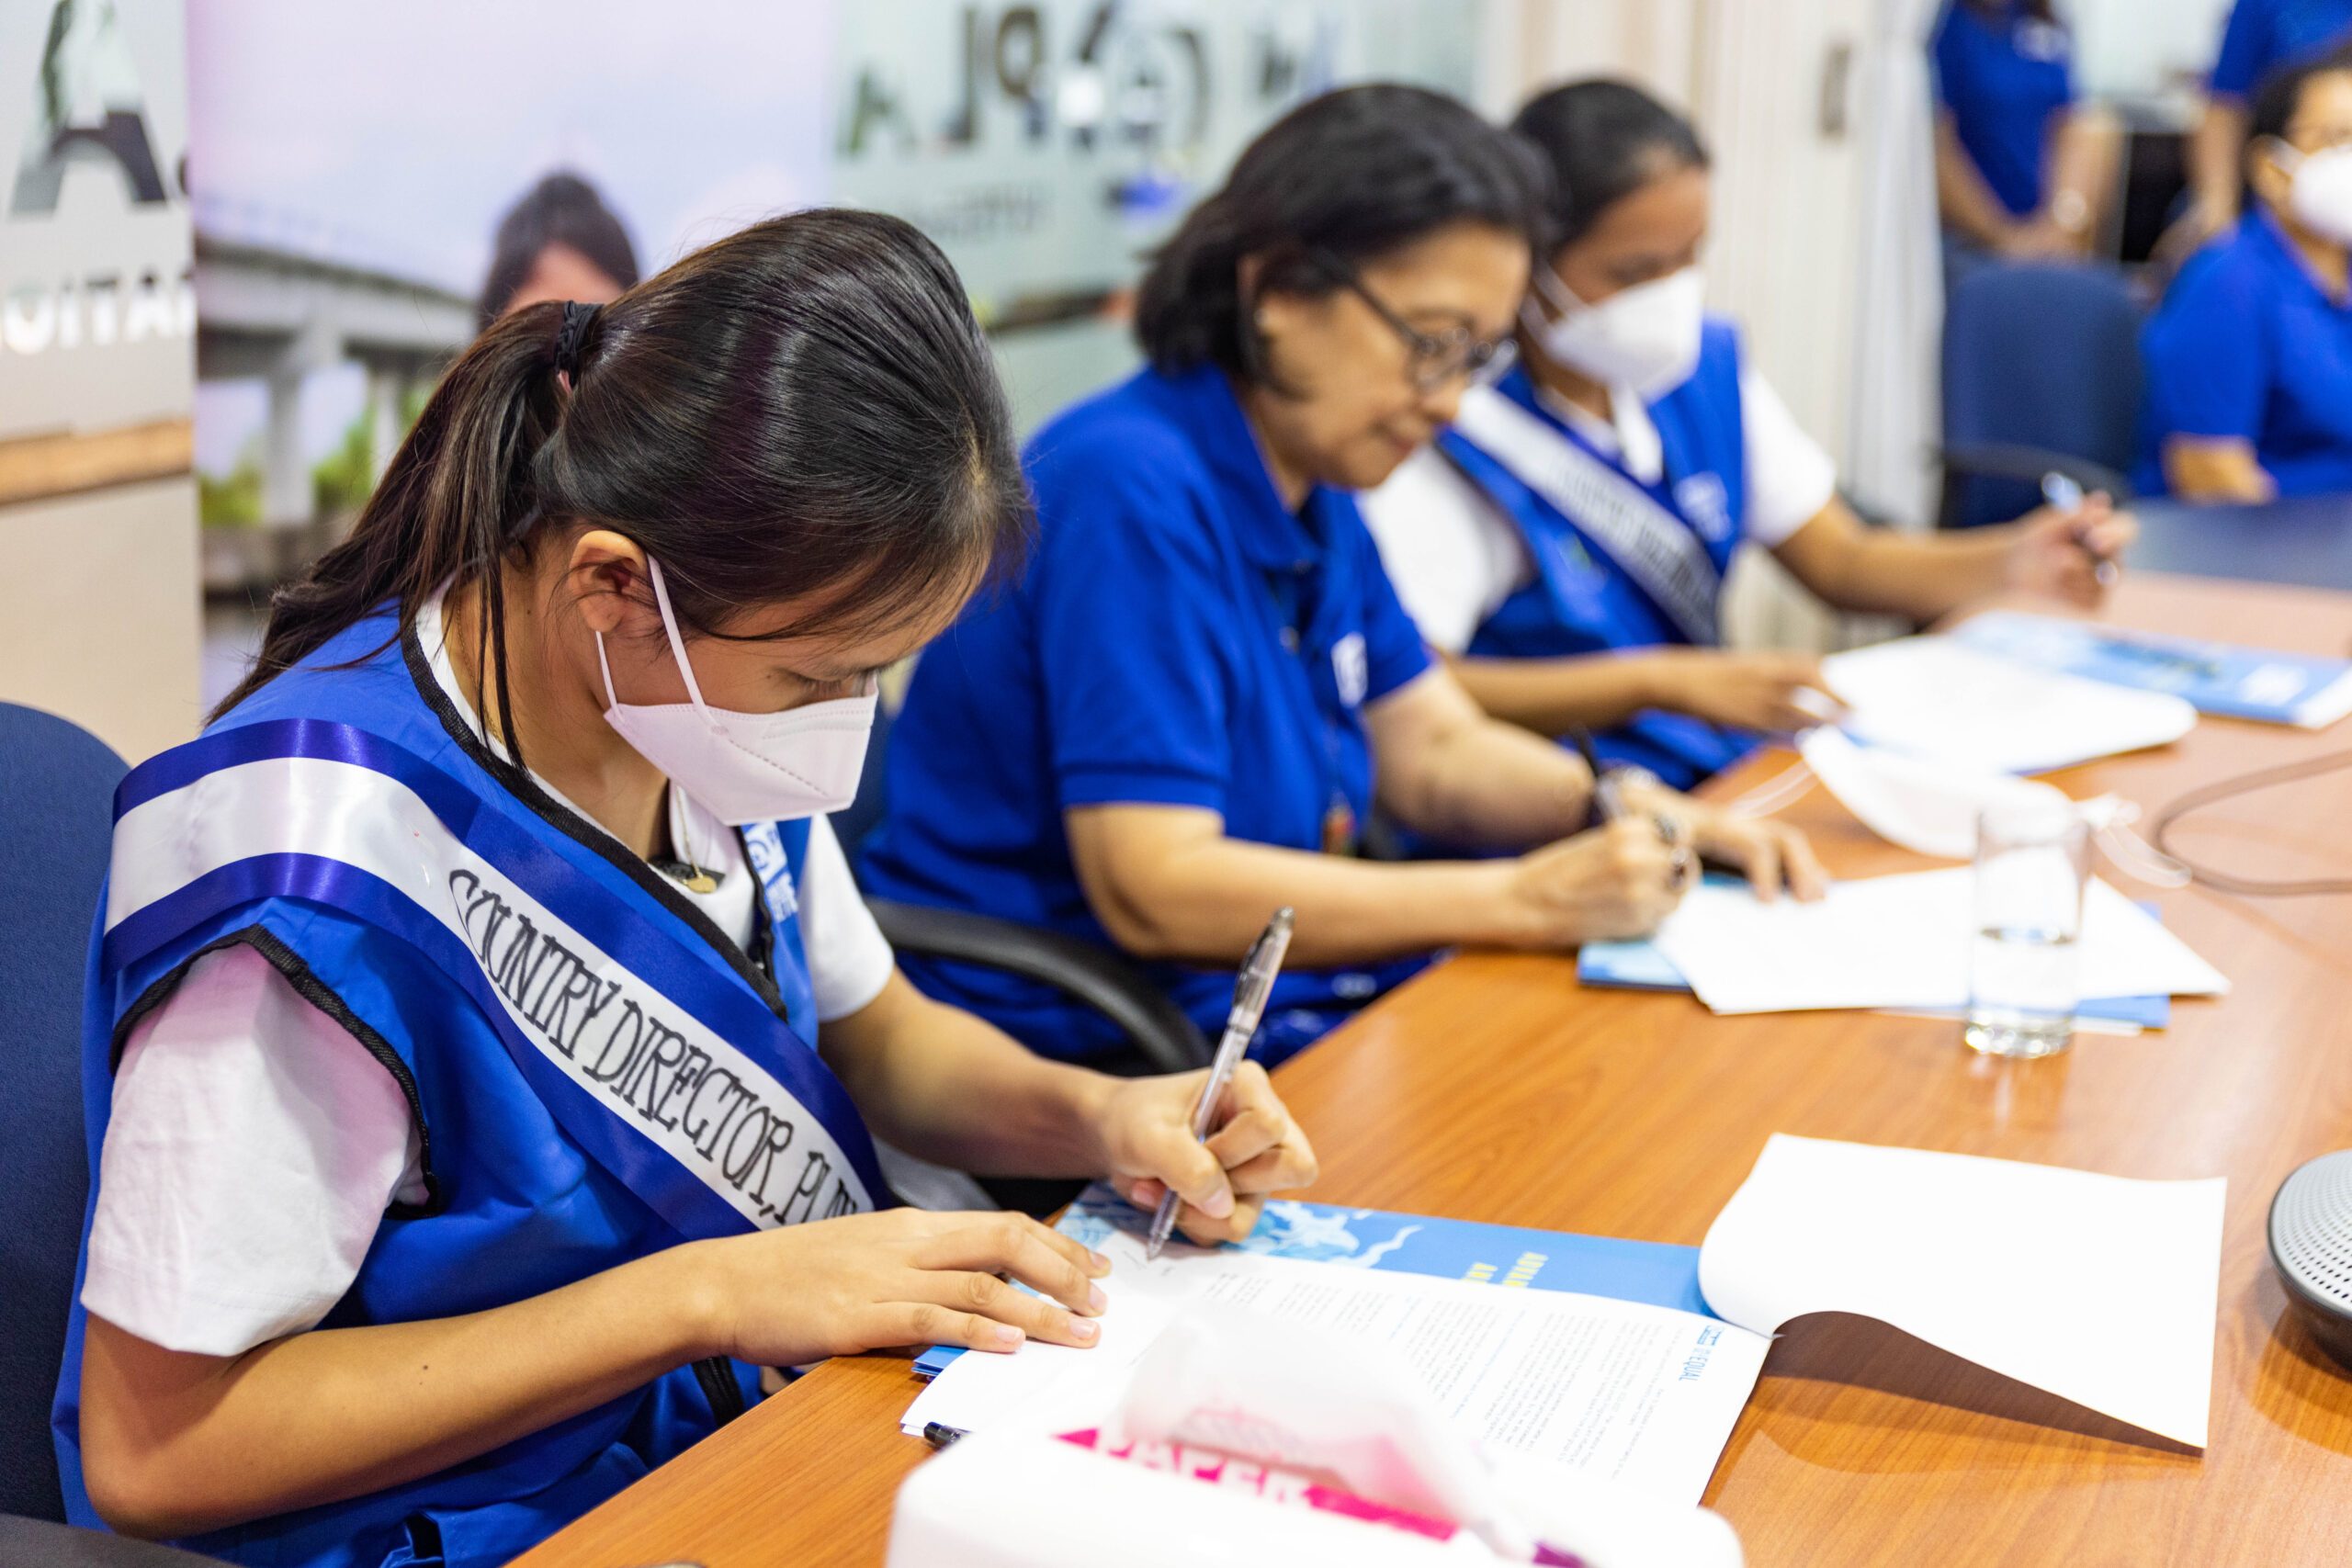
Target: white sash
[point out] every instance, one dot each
(660, 1071)
(1654, 547)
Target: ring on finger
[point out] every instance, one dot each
(1670, 829)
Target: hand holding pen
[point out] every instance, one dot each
(1251, 988)
(1218, 1141)
(2094, 538)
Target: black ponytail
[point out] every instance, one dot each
(804, 406)
(1351, 175)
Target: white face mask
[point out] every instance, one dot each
(1645, 338)
(744, 767)
(2321, 196)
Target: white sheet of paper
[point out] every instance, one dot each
(2100, 1289)
(1899, 941)
(1622, 1391)
(1937, 698)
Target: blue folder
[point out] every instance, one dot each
(1640, 966)
(2213, 677)
(1654, 1272)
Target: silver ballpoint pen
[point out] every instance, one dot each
(1250, 993)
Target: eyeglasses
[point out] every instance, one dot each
(1431, 359)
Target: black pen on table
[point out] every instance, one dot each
(1250, 989)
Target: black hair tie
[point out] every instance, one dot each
(577, 319)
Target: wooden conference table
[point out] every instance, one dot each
(1495, 1088)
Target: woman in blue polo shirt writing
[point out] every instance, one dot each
(1565, 543)
(1204, 686)
(2249, 359)
(485, 1031)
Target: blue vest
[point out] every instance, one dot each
(1590, 592)
(597, 1072)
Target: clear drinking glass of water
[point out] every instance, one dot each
(2033, 864)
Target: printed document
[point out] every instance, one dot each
(1619, 1390)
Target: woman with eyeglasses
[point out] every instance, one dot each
(1565, 543)
(2250, 358)
(1204, 686)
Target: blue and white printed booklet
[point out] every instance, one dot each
(1596, 1355)
(2215, 677)
(1649, 1271)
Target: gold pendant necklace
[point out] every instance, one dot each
(686, 871)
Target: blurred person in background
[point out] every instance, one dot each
(2261, 37)
(559, 241)
(1565, 543)
(2023, 169)
(2249, 358)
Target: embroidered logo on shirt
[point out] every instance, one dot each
(765, 850)
(1351, 667)
(2043, 42)
(1704, 500)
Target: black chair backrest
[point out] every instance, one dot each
(57, 785)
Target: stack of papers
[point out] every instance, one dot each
(2215, 677)
(1638, 965)
(1624, 1391)
(2099, 1289)
(1898, 942)
(1650, 1271)
(1941, 699)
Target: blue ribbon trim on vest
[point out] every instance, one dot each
(628, 935)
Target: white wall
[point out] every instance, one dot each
(1753, 72)
(2141, 49)
(1769, 84)
(97, 519)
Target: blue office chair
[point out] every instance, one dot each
(2042, 373)
(1164, 1039)
(58, 784)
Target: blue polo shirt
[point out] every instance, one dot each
(2264, 34)
(1181, 638)
(2248, 344)
(2003, 78)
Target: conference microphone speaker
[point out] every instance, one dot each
(2311, 1246)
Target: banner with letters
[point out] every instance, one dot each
(97, 305)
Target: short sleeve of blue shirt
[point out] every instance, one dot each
(2264, 34)
(1131, 601)
(2244, 50)
(1942, 53)
(2207, 352)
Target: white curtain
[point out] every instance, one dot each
(1896, 415)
